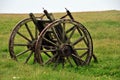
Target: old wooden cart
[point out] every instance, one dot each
(49, 41)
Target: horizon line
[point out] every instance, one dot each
(57, 11)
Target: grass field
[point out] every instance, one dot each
(104, 28)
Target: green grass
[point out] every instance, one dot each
(104, 28)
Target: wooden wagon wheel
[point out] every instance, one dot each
(64, 41)
(22, 41)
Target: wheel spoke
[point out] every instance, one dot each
(29, 31)
(49, 60)
(24, 36)
(71, 34)
(22, 53)
(69, 61)
(56, 35)
(80, 48)
(82, 35)
(20, 44)
(50, 50)
(81, 61)
(50, 42)
(70, 29)
(48, 47)
(56, 62)
(77, 41)
(29, 57)
(36, 32)
(47, 54)
(64, 33)
(83, 54)
(79, 31)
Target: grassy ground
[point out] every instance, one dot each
(105, 30)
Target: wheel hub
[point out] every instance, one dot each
(31, 45)
(66, 50)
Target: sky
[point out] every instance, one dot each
(36, 6)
